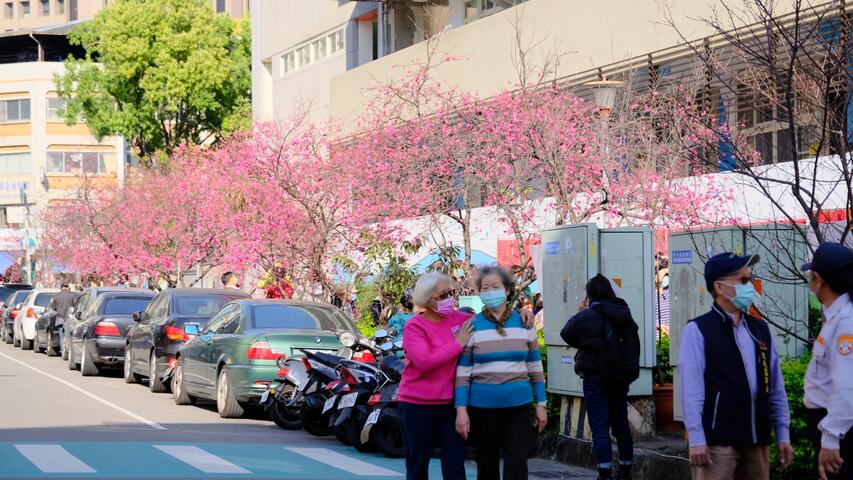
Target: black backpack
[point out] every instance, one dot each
(619, 359)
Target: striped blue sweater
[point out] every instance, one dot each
(497, 371)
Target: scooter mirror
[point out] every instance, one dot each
(381, 333)
(386, 346)
(345, 352)
(398, 344)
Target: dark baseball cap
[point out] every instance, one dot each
(724, 264)
(831, 260)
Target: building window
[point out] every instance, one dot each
(55, 109)
(220, 6)
(8, 9)
(75, 162)
(288, 63)
(319, 47)
(25, 9)
(44, 7)
(60, 7)
(14, 111)
(15, 163)
(475, 9)
(72, 14)
(336, 41)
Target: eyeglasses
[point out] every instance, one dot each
(446, 294)
(744, 280)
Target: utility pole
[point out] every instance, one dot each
(28, 263)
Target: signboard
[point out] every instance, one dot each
(681, 257)
(16, 215)
(10, 239)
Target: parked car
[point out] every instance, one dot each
(14, 303)
(233, 359)
(80, 309)
(24, 328)
(6, 292)
(159, 331)
(47, 339)
(98, 339)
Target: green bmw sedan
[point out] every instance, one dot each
(233, 359)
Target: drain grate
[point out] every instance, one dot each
(553, 474)
(130, 427)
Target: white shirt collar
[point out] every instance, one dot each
(837, 306)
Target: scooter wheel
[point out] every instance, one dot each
(354, 427)
(389, 440)
(284, 417)
(313, 421)
(341, 433)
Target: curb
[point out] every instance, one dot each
(647, 463)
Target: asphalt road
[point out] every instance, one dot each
(54, 423)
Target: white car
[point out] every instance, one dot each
(24, 330)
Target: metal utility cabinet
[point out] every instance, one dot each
(571, 255)
(781, 298)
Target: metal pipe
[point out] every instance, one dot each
(40, 48)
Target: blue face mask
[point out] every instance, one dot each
(744, 296)
(493, 298)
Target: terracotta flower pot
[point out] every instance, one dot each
(664, 409)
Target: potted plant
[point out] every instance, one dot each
(662, 374)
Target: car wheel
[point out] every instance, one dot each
(155, 383)
(6, 337)
(51, 352)
(226, 402)
(16, 340)
(26, 344)
(284, 417)
(69, 355)
(129, 376)
(87, 365)
(179, 386)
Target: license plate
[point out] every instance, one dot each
(265, 396)
(348, 401)
(329, 404)
(373, 417)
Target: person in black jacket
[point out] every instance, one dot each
(606, 405)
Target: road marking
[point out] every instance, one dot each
(91, 395)
(200, 459)
(53, 459)
(343, 462)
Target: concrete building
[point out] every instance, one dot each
(24, 14)
(42, 159)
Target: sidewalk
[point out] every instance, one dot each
(664, 456)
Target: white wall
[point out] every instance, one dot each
(280, 25)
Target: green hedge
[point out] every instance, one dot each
(794, 371)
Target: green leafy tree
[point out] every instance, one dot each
(160, 73)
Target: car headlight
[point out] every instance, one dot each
(348, 339)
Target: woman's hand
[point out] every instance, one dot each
(464, 333)
(541, 418)
(463, 423)
(527, 317)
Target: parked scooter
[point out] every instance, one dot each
(384, 426)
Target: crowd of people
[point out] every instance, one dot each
(478, 378)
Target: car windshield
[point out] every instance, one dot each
(202, 305)
(42, 299)
(6, 293)
(124, 305)
(298, 317)
(21, 297)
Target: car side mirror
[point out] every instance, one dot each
(137, 316)
(191, 329)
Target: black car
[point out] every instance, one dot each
(80, 309)
(47, 339)
(98, 339)
(11, 307)
(159, 332)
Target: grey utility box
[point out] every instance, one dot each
(782, 300)
(572, 254)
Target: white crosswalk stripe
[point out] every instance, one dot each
(200, 459)
(53, 459)
(343, 462)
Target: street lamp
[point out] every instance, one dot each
(605, 94)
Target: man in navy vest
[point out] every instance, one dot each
(733, 393)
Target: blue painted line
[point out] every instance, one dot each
(142, 460)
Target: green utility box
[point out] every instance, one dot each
(571, 255)
(783, 299)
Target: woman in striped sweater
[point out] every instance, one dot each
(498, 378)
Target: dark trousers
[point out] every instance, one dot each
(421, 424)
(502, 430)
(813, 417)
(607, 409)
